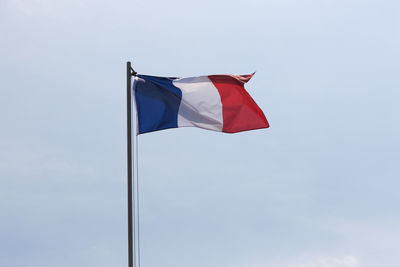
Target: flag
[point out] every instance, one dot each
(214, 102)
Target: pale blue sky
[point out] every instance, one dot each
(317, 189)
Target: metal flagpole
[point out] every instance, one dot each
(129, 160)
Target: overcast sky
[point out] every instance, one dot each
(319, 188)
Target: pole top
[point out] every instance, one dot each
(131, 70)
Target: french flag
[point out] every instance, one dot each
(215, 102)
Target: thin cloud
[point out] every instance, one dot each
(346, 261)
(45, 8)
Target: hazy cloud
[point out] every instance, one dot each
(46, 8)
(346, 261)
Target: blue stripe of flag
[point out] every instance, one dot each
(157, 101)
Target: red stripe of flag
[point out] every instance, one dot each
(239, 111)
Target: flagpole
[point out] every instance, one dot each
(129, 161)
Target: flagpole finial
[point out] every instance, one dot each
(131, 71)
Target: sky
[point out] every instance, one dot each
(319, 188)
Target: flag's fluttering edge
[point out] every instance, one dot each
(215, 102)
